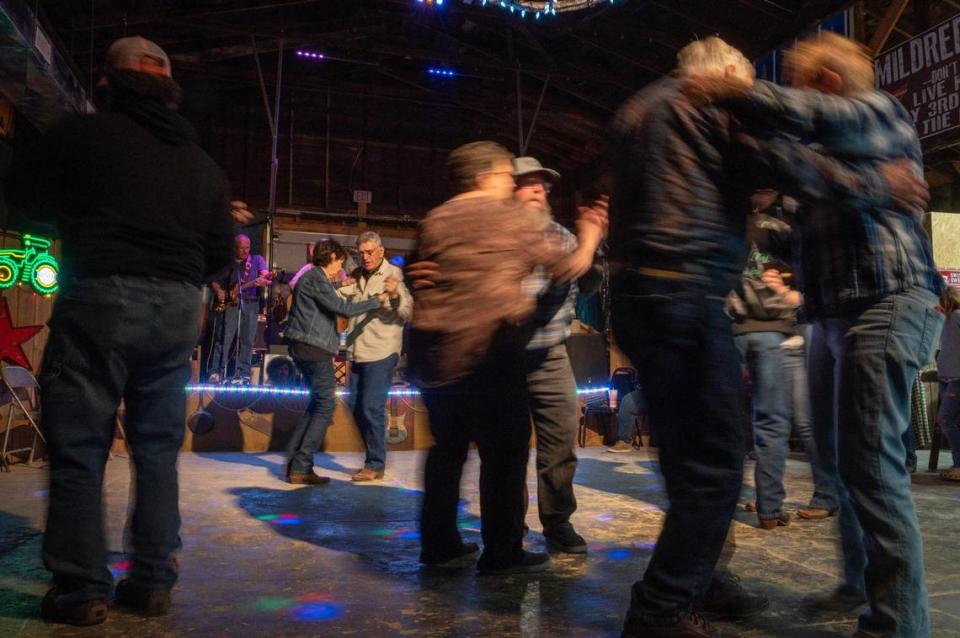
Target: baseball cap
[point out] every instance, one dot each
(529, 165)
(138, 54)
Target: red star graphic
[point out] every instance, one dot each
(11, 338)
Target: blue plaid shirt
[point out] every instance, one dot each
(555, 302)
(856, 249)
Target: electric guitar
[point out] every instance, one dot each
(235, 289)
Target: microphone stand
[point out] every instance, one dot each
(236, 358)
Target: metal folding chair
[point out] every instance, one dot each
(20, 389)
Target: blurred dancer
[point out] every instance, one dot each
(466, 353)
(683, 178)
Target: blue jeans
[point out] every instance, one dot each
(862, 368)
(795, 361)
(948, 416)
(308, 436)
(682, 345)
(115, 338)
(369, 387)
(223, 345)
(632, 406)
(762, 356)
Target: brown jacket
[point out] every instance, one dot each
(484, 248)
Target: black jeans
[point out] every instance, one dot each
(682, 345)
(553, 405)
(489, 408)
(115, 338)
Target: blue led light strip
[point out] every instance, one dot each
(305, 392)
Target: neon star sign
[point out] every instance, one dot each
(31, 264)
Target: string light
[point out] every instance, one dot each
(268, 390)
(536, 7)
(310, 54)
(439, 71)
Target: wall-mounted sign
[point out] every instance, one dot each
(924, 74)
(32, 264)
(362, 197)
(952, 277)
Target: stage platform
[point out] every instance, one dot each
(264, 558)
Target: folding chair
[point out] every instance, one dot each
(21, 391)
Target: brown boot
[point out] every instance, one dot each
(366, 474)
(772, 523)
(689, 626)
(816, 513)
(307, 478)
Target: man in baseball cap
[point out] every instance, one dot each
(143, 215)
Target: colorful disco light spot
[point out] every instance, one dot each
(273, 603)
(605, 517)
(120, 568)
(618, 553)
(286, 519)
(267, 517)
(41, 494)
(314, 597)
(381, 532)
(411, 535)
(318, 612)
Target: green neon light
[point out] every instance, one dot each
(32, 264)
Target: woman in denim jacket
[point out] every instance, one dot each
(312, 336)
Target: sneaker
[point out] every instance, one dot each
(307, 478)
(214, 379)
(620, 446)
(689, 626)
(726, 598)
(564, 539)
(245, 380)
(149, 601)
(529, 563)
(80, 614)
(843, 599)
(773, 523)
(464, 558)
(816, 513)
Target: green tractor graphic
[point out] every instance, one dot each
(33, 264)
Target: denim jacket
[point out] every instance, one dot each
(316, 304)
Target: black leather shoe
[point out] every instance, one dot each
(531, 562)
(565, 539)
(464, 558)
(81, 614)
(726, 598)
(149, 601)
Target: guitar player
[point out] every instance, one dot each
(240, 293)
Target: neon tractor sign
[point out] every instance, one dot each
(32, 264)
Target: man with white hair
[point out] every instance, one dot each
(374, 340)
(678, 212)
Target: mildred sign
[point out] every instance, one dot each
(924, 74)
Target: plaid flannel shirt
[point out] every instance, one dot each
(556, 303)
(851, 249)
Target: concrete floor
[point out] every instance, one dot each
(263, 558)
